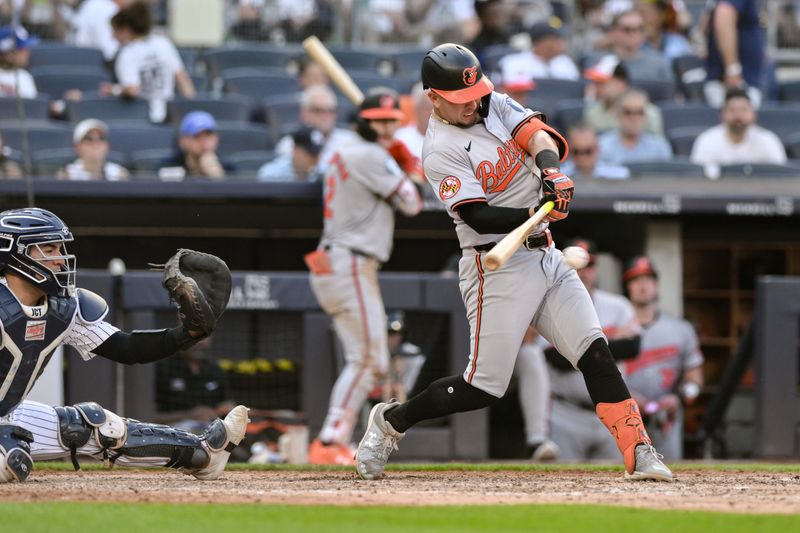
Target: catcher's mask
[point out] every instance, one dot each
(23, 236)
(380, 103)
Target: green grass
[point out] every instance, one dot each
(469, 467)
(140, 518)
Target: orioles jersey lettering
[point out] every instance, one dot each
(496, 177)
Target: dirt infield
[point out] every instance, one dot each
(740, 492)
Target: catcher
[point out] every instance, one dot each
(41, 309)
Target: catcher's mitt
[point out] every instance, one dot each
(200, 284)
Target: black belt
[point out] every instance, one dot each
(533, 242)
(583, 405)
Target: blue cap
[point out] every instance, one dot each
(15, 38)
(196, 122)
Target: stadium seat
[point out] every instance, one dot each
(220, 59)
(256, 85)
(567, 113)
(145, 163)
(133, 136)
(60, 55)
(657, 90)
(34, 108)
(675, 168)
(366, 80)
(783, 120)
(757, 170)
(355, 58)
(682, 139)
(491, 55)
(792, 145)
(228, 108)
(408, 61)
(55, 81)
(250, 161)
(189, 56)
(40, 135)
(236, 137)
(549, 93)
(200, 82)
(108, 108)
(282, 113)
(48, 162)
(696, 115)
(690, 74)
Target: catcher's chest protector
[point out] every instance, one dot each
(28, 343)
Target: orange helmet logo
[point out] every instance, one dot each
(470, 75)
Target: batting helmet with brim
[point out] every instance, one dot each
(381, 103)
(638, 266)
(453, 72)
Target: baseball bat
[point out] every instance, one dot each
(319, 53)
(511, 242)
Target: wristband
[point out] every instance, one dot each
(734, 69)
(690, 390)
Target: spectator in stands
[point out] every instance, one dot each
(197, 155)
(738, 139)
(318, 110)
(547, 57)
(626, 37)
(660, 29)
(148, 66)
(493, 17)
(629, 141)
(735, 42)
(302, 18)
(90, 139)
(584, 151)
(191, 389)
(413, 134)
(9, 169)
(302, 165)
(311, 73)
(91, 26)
(249, 24)
(609, 81)
(444, 20)
(516, 83)
(15, 53)
(386, 20)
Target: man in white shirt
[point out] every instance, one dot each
(738, 139)
(91, 26)
(15, 52)
(547, 58)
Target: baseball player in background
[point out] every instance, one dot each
(40, 310)
(479, 155)
(574, 427)
(668, 369)
(366, 182)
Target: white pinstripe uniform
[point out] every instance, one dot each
(362, 189)
(483, 163)
(40, 419)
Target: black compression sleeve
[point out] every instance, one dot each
(547, 159)
(485, 218)
(142, 346)
(623, 349)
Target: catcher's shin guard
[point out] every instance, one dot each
(624, 422)
(148, 443)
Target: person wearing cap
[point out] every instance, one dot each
(90, 141)
(546, 59)
(573, 425)
(197, 155)
(584, 157)
(302, 165)
(15, 53)
(668, 372)
(609, 80)
(367, 181)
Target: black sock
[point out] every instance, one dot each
(442, 397)
(603, 380)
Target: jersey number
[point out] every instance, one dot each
(335, 169)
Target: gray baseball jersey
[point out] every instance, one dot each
(362, 188)
(669, 347)
(484, 163)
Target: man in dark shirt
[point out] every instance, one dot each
(196, 157)
(191, 389)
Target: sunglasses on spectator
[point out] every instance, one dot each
(321, 110)
(583, 151)
(631, 29)
(95, 138)
(631, 112)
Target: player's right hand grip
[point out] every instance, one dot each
(498, 256)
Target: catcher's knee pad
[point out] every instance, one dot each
(180, 449)
(82, 421)
(15, 453)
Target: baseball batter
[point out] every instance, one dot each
(366, 182)
(574, 427)
(669, 366)
(41, 309)
(492, 162)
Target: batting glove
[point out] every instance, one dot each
(557, 188)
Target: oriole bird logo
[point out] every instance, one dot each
(470, 75)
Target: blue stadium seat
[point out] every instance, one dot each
(129, 136)
(60, 55)
(682, 139)
(220, 59)
(684, 115)
(675, 168)
(251, 160)
(657, 90)
(229, 108)
(55, 81)
(47, 162)
(408, 60)
(356, 58)
(551, 92)
(764, 170)
(567, 113)
(783, 119)
(40, 135)
(282, 113)
(237, 137)
(256, 85)
(690, 74)
(34, 108)
(366, 80)
(108, 108)
(145, 163)
(189, 56)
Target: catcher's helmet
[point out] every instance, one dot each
(454, 73)
(380, 103)
(23, 230)
(638, 266)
